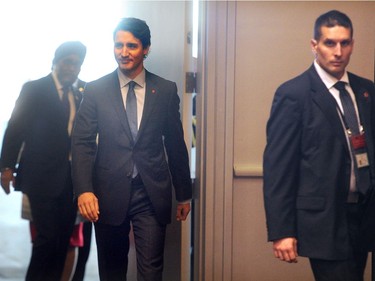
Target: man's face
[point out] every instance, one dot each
(67, 69)
(129, 53)
(333, 49)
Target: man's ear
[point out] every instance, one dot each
(313, 44)
(146, 52)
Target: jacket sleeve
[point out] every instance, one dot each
(84, 145)
(18, 126)
(176, 150)
(281, 165)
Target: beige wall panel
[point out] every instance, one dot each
(252, 256)
(272, 46)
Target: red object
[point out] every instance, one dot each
(76, 240)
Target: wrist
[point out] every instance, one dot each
(184, 202)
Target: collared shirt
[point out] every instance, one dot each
(330, 81)
(139, 90)
(72, 104)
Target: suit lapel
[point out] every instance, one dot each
(326, 102)
(78, 92)
(52, 95)
(114, 94)
(363, 101)
(151, 94)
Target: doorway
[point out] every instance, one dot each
(169, 22)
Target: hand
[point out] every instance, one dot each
(286, 249)
(183, 209)
(6, 178)
(88, 206)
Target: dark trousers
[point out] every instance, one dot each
(53, 219)
(83, 253)
(353, 268)
(149, 235)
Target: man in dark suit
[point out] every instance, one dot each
(124, 165)
(37, 142)
(318, 165)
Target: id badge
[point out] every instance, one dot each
(358, 143)
(362, 160)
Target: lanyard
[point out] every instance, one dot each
(348, 131)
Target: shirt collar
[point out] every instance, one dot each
(124, 80)
(57, 82)
(327, 78)
(59, 86)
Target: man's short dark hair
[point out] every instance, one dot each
(137, 27)
(331, 19)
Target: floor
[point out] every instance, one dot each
(15, 246)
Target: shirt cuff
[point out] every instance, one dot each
(185, 202)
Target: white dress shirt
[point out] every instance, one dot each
(330, 81)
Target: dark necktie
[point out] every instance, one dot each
(349, 111)
(65, 102)
(131, 109)
(351, 120)
(131, 112)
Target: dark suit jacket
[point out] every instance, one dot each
(106, 168)
(307, 164)
(37, 125)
